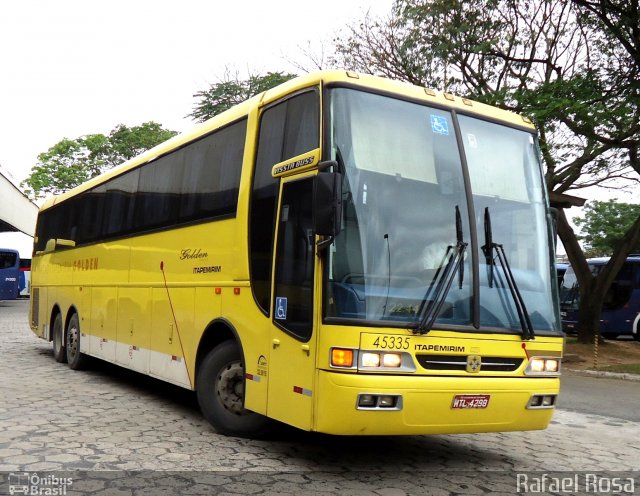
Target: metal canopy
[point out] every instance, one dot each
(17, 212)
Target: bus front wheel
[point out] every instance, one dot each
(220, 391)
(59, 349)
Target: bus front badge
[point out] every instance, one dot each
(474, 362)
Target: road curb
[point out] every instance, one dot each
(602, 373)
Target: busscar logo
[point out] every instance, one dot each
(294, 165)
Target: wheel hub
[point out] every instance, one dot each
(230, 388)
(73, 340)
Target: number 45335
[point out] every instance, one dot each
(392, 342)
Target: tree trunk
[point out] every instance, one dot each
(589, 309)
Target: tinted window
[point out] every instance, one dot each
(287, 129)
(8, 260)
(199, 181)
(157, 200)
(211, 177)
(119, 195)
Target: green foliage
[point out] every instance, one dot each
(605, 224)
(128, 142)
(69, 163)
(231, 90)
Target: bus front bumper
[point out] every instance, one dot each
(425, 405)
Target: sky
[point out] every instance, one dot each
(75, 67)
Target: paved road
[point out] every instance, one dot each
(118, 433)
(600, 396)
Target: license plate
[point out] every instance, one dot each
(470, 401)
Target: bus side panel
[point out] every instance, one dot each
(170, 333)
(207, 308)
(133, 328)
(84, 312)
(39, 315)
(104, 311)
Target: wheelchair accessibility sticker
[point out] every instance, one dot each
(281, 308)
(439, 125)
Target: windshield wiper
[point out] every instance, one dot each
(438, 290)
(488, 249)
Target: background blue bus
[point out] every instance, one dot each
(24, 284)
(621, 308)
(9, 274)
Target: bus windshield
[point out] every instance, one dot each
(404, 184)
(8, 260)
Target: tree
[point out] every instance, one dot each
(231, 90)
(604, 226)
(69, 163)
(557, 62)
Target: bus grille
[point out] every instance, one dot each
(35, 307)
(459, 362)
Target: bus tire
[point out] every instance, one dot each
(220, 392)
(75, 359)
(59, 348)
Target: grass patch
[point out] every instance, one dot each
(629, 368)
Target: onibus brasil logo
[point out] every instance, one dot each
(30, 483)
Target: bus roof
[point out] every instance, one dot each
(325, 77)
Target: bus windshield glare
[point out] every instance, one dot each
(407, 205)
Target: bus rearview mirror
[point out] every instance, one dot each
(327, 203)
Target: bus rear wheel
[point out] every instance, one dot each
(59, 349)
(220, 391)
(75, 359)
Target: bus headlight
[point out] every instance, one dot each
(543, 366)
(372, 359)
(391, 360)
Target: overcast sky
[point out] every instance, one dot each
(75, 67)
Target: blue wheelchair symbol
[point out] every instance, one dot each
(439, 125)
(281, 308)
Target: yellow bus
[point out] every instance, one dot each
(342, 253)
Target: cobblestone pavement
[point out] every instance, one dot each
(116, 432)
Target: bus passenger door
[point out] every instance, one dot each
(292, 356)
